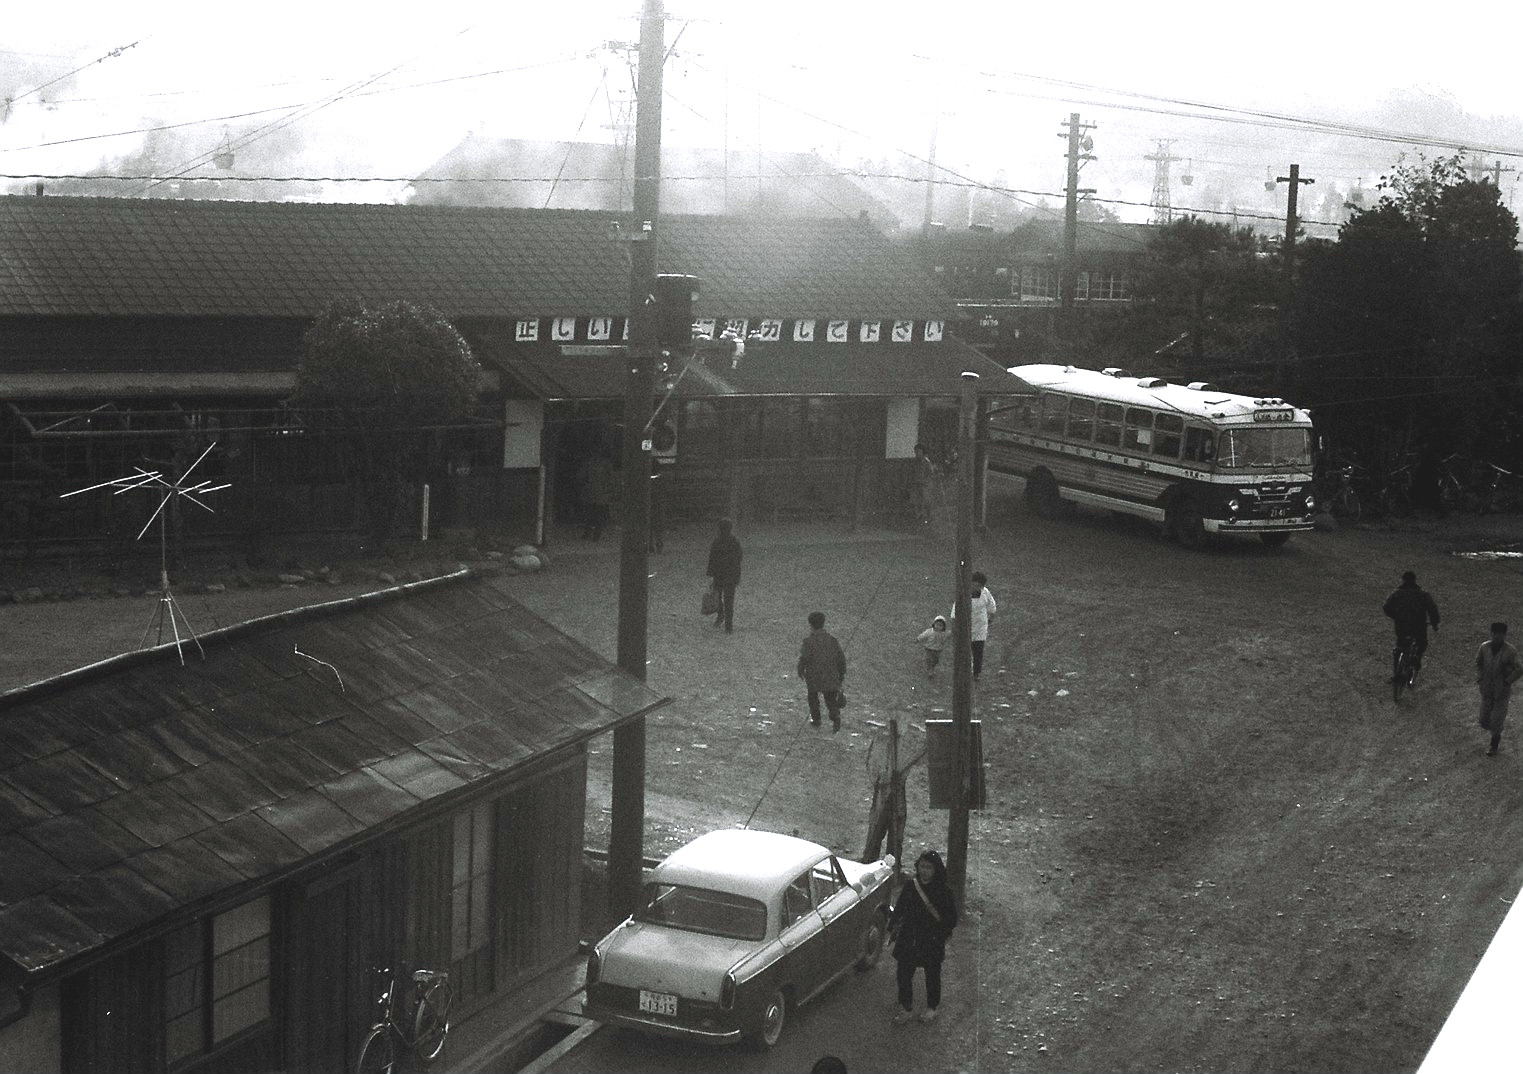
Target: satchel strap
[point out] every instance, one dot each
(926, 899)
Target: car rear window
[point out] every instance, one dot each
(701, 910)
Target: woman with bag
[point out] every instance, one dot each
(922, 920)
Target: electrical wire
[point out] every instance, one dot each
(53, 82)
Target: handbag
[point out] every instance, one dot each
(710, 604)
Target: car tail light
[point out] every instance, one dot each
(727, 992)
(594, 964)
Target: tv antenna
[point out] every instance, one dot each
(154, 480)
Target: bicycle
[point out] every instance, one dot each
(1406, 668)
(1396, 495)
(1335, 491)
(429, 1005)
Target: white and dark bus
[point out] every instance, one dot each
(1198, 460)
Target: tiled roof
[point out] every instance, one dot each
(135, 787)
(118, 257)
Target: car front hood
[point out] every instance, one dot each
(661, 959)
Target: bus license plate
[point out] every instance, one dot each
(1278, 512)
(663, 1003)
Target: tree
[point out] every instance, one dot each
(1204, 281)
(1408, 324)
(386, 379)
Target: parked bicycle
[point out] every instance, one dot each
(1336, 492)
(1396, 493)
(418, 1027)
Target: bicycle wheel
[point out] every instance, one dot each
(431, 1023)
(378, 1055)
(1399, 680)
(1348, 501)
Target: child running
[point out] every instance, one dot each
(934, 638)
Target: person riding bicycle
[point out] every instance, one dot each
(1412, 608)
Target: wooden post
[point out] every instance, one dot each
(962, 639)
(626, 841)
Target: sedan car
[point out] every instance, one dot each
(732, 932)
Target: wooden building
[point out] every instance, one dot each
(136, 332)
(202, 862)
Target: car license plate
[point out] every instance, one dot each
(663, 1003)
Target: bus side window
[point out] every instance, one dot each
(1054, 409)
(1081, 415)
(1139, 429)
(1200, 444)
(1108, 424)
(1168, 431)
(1025, 414)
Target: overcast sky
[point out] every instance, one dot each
(343, 89)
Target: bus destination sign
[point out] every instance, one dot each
(1275, 415)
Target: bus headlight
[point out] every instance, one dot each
(727, 992)
(594, 966)
(1233, 505)
(1311, 504)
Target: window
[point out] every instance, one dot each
(796, 902)
(701, 431)
(1054, 408)
(1106, 286)
(216, 979)
(1168, 431)
(1081, 419)
(1108, 424)
(826, 879)
(1139, 429)
(700, 910)
(471, 898)
(1081, 286)
(1036, 283)
(1200, 444)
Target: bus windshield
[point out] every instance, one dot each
(1265, 448)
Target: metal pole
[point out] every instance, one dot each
(627, 839)
(962, 640)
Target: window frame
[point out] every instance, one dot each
(1132, 438)
(1168, 442)
(1110, 418)
(205, 968)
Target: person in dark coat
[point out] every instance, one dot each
(724, 569)
(1412, 608)
(922, 919)
(822, 666)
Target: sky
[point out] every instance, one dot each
(376, 90)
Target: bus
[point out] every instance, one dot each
(1198, 460)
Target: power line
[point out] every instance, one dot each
(53, 82)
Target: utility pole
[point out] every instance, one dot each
(962, 641)
(1079, 145)
(626, 843)
(930, 180)
(1295, 181)
(1496, 171)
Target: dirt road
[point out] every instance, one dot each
(1213, 842)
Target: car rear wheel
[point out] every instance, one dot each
(872, 944)
(773, 1017)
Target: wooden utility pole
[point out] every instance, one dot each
(1068, 283)
(1295, 181)
(930, 180)
(626, 843)
(962, 640)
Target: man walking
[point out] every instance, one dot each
(822, 666)
(724, 568)
(1411, 608)
(1496, 669)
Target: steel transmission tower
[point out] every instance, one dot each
(1163, 211)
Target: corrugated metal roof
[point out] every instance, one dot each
(137, 786)
(66, 257)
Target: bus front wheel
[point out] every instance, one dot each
(1185, 525)
(1042, 494)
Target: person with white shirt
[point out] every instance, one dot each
(981, 609)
